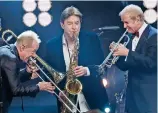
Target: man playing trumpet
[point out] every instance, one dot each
(140, 59)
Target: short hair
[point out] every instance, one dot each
(133, 11)
(27, 38)
(69, 11)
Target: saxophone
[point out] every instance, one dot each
(73, 85)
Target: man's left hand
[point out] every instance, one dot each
(121, 51)
(80, 71)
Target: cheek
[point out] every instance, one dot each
(78, 28)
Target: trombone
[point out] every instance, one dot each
(47, 67)
(110, 60)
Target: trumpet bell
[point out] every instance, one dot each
(74, 86)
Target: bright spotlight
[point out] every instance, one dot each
(44, 18)
(150, 3)
(29, 0)
(150, 16)
(29, 19)
(44, 0)
(44, 5)
(29, 6)
(105, 82)
(107, 110)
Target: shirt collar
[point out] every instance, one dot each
(142, 29)
(64, 40)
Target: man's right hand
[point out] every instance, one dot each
(61, 96)
(46, 86)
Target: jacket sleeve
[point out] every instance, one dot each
(9, 65)
(146, 60)
(121, 64)
(24, 75)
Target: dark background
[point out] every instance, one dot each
(95, 14)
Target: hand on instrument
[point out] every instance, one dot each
(61, 96)
(112, 45)
(46, 86)
(34, 75)
(80, 71)
(31, 67)
(121, 51)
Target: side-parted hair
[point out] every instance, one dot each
(69, 11)
(133, 11)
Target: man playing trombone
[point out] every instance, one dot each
(140, 59)
(10, 58)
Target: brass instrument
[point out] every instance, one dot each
(57, 76)
(110, 60)
(73, 85)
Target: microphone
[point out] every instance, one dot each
(107, 28)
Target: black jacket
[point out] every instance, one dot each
(141, 64)
(9, 71)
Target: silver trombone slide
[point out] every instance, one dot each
(31, 59)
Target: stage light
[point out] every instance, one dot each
(107, 110)
(29, 19)
(150, 16)
(29, 0)
(44, 0)
(44, 19)
(44, 5)
(150, 3)
(105, 82)
(29, 5)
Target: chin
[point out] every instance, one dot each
(130, 31)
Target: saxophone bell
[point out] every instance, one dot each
(74, 86)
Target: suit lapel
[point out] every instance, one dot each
(61, 55)
(81, 47)
(130, 42)
(142, 38)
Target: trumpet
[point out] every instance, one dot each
(58, 76)
(110, 60)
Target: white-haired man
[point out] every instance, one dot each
(10, 57)
(140, 59)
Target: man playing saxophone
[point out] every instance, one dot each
(75, 52)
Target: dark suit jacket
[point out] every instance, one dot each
(141, 94)
(9, 70)
(90, 53)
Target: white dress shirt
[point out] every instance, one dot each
(80, 97)
(136, 39)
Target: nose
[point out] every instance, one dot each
(73, 26)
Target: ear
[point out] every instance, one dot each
(62, 25)
(22, 48)
(138, 18)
